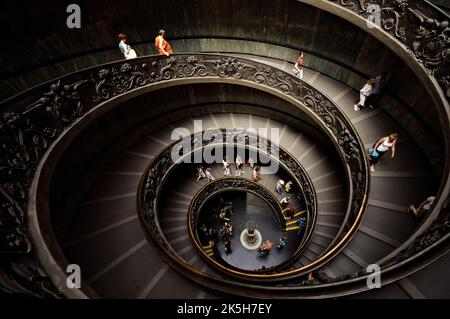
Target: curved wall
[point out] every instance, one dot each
(334, 46)
(129, 121)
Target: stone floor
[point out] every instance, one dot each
(248, 207)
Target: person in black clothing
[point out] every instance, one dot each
(227, 245)
(380, 83)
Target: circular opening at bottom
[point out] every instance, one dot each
(239, 229)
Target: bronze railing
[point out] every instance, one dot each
(32, 122)
(216, 187)
(163, 164)
(422, 28)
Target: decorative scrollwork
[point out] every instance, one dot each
(230, 183)
(31, 122)
(422, 29)
(234, 184)
(273, 78)
(24, 277)
(230, 67)
(431, 45)
(439, 229)
(118, 80)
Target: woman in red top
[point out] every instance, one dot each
(162, 45)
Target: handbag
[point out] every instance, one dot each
(373, 153)
(131, 55)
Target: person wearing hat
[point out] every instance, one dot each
(162, 45)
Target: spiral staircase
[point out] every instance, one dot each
(87, 178)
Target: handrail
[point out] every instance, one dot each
(15, 192)
(335, 122)
(156, 175)
(33, 121)
(418, 32)
(220, 185)
(419, 26)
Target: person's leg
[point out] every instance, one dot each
(362, 99)
(375, 99)
(413, 210)
(372, 162)
(301, 73)
(375, 160)
(369, 101)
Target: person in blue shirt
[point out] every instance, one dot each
(126, 50)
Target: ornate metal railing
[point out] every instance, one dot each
(218, 186)
(422, 28)
(436, 234)
(160, 168)
(419, 33)
(32, 121)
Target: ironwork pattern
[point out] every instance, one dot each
(160, 168)
(30, 122)
(422, 29)
(231, 183)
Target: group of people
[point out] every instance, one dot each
(226, 230)
(239, 165)
(203, 173)
(265, 248)
(370, 93)
(377, 151)
(226, 211)
(162, 46)
(283, 187)
(369, 96)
